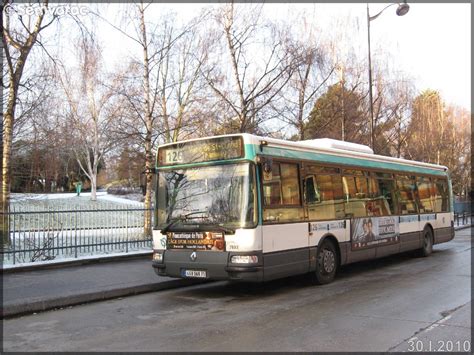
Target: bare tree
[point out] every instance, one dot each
(427, 126)
(91, 111)
(461, 130)
(313, 69)
(169, 67)
(180, 74)
(252, 68)
(396, 112)
(17, 41)
(440, 134)
(148, 117)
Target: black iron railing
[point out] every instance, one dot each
(36, 234)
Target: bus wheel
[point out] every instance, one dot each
(326, 263)
(427, 247)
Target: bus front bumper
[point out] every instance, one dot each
(210, 265)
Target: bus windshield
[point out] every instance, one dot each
(202, 198)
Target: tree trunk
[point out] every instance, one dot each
(7, 141)
(6, 173)
(148, 126)
(94, 183)
(15, 71)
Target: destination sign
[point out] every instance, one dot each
(222, 148)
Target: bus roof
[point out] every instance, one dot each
(325, 146)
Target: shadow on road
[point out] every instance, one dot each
(243, 291)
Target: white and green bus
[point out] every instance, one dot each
(243, 207)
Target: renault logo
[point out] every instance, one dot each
(193, 256)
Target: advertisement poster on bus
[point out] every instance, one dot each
(196, 241)
(371, 231)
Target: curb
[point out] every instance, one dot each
(457, 228)
(18, 309)
(75, 262)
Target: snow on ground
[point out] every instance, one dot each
(25, 196)
(10, 265)
(111, 225)
(72, 197)
(132, 199)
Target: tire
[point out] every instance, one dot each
(327, 262)
(427, 247)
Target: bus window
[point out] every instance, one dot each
(290, 186)
(382, 192)
(323, 194)
(272, 187)
(441, 198)
(356, 193)
(407, 201)
(312, 194)
(282, 190)
(423, 185)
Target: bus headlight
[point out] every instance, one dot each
(158, 256)
(244, 259)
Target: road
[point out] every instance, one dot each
(398, 303)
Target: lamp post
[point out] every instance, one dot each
(402, 9)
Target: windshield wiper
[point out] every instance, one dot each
(223, 229)
(181, 218)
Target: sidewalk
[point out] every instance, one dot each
(40, 290)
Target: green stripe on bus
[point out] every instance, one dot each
(334, 159)
(252, 150)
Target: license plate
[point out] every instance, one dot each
(194, 273)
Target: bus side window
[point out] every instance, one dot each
(424, 194)
(323, 193)
(281, 192)
(382, 191)
(290, 186)
(441, 200)
(272, 186)
(311, 190)
(407, 199)
(356, 191)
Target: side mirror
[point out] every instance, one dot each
(267, 167)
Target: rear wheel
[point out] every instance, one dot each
(327, 262)
(427, 247)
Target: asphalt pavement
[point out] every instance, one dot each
(398, 303)
(45, 289)
(39, 290)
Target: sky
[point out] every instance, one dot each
(432, 42)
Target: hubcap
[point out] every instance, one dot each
(329, 261)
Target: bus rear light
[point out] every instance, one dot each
(244, 259)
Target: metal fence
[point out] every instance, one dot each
(38, 234)
(462, 207)
(461, 219)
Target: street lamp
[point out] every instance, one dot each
(402, 9)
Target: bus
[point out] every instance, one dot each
(247, 208)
